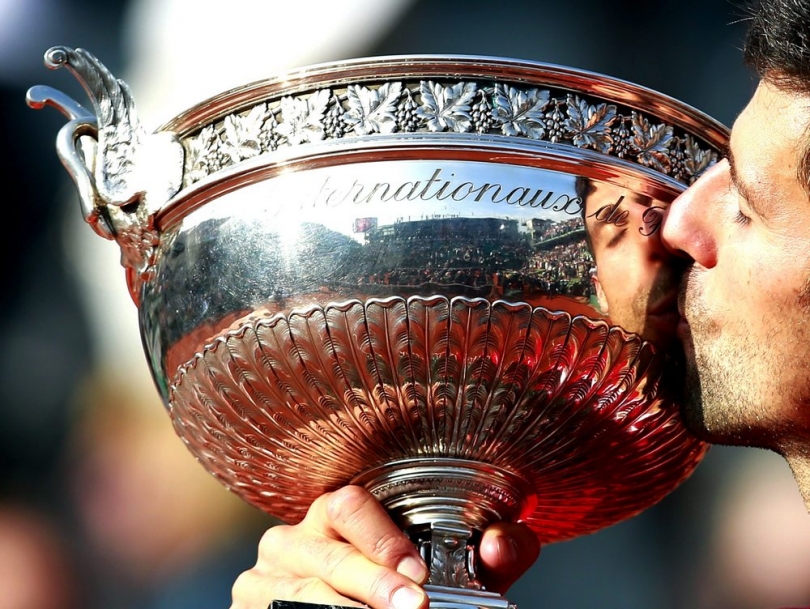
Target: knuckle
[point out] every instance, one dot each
(252, 587)
(347, 503)
(244, 584)
(241, 582)
(318, 505)
(389, 547)
(335, 556)
(303, 589)
(273, 536)
(272, 540)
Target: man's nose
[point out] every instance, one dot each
(688, 229)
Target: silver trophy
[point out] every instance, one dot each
(437, 277)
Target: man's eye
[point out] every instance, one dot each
(741, 218)
(742, 213)
(617, 238)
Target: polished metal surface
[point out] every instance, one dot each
(438, 277)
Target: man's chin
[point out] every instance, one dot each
(695, 421)
(714, 430)
(689, 395)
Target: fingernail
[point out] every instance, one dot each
(414, 568)
(407, 598)
(507, 550)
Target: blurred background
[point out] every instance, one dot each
(101, 506)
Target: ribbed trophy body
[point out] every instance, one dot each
(440, 278)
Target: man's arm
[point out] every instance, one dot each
(347, 551)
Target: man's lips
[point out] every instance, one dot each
(662, 320)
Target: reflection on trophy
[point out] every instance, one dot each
(437, 277)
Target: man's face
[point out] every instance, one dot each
(636, 281)
(745, 300)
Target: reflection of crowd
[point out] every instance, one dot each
(487, 255)
(563, 269)
(441, 250)
(472, 277)
(438, 254)
(552, 230)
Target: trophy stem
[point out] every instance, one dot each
(443, 505)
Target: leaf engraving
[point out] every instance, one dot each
(373, 110)
(241, 134)
(589, 125)
(303, 117)
(446, 108)
(696, 160)
(653, 142)
(520, 112)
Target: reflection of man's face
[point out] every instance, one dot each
(635, 281)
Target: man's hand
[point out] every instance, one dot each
(347, 551)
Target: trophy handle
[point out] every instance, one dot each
(70, 152)
(127, 175)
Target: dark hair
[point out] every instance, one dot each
(777, 46)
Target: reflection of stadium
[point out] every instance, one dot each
(487, 256)
(546, 234)
(362, 225)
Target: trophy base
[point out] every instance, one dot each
(440, 597)
(444, 597)
(300, 605)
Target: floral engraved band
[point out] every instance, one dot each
(434, 107)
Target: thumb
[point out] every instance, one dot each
(507, 550)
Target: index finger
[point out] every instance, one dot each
(353, 514)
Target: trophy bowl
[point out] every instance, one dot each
(440, 278)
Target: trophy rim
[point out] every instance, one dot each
(384, 67)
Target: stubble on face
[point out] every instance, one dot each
(634, 314)
(731, 376)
